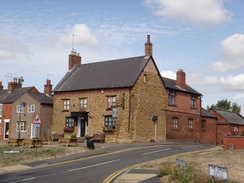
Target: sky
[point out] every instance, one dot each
(205, 38)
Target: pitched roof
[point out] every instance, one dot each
(205, 113)
(42, 98)
(171, 84)
(100, 75)
(233, 118)
(6, 97)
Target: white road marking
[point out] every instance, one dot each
(190, 147)
(93, 165)
(32, 178)
(156, 151)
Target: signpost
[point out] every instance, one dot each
(217, 171)
(36, 124)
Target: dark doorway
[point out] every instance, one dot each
(83, 128)
(6, 131)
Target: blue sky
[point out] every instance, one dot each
(205, 38)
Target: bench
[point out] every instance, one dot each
(67, 141)
(57, 136)
(31, 142)
(45, 139)
(99, 137)
(14, 141)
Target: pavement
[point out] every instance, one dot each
(122, 176)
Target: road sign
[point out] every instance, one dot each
(217, 171)
(37, 119)
(235, 129)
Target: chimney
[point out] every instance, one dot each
(48, 88)
(181, 79)
(16, 83)
(74, 59)
(1, 85)
(148, 47)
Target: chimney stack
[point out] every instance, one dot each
(74, 59)
(48, 88)
(16, 83)
(181, 79)
(1, 85)
(148, 47)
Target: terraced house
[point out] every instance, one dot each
(88, 95)
(18, 107)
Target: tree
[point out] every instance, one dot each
(225, 105)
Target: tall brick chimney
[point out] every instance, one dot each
(1, 85)
(48, 88)
(148, 47)
(181, 79)
(74, 59)
(16, 83)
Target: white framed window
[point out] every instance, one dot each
(83, 103)
(109, 121)
(174, 122)
(111, 101)
(21, 125)
(66, 104)
(19, 108)
(1, 110)
(31, 108)
(190, 123)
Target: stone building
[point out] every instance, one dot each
(88, 95)
(18, 107)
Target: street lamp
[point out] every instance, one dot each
(20, 80)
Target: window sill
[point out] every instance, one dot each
(172, 105)
(65, 110)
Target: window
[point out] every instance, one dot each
(70, 122)
(193, 102)
(109, 121)
(190, 123)
(31, 108)
(203, 124)
(1, 110)
(171, 98)
(66, 104)
(21, 125)
(83, 103)
(145, 78)
(111, 101)
(19, 108)
(174, 122)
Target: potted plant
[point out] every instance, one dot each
(68, 129)
(73, 136)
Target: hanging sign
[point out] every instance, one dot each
(115, 113)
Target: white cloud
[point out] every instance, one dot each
(168, 74)
(238, 96)
(205, 13)
(6, 54)
(232, 54)
(83, 36)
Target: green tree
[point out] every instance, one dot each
(225, 105)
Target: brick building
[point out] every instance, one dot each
(18, 107)
(86, 96)
(186, 119)
(228, 124)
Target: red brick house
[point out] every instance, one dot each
(85, 98)
(18, 107)
(186, 119)
(228, 124)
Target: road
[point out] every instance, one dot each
(96, 169)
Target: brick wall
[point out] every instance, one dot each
(208, 131)
(233, 142)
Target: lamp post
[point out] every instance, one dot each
(20, 80)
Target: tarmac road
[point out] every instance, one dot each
(98, 167)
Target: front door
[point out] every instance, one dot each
(82, 127)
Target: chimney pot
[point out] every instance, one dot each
(74, 59)
(48, 88)
(1, 85)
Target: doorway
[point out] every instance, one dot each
(83, 124)
(6, 129)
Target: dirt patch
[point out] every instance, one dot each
(232, 159)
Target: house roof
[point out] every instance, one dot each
(207, 114)
(100, 75)
(233, 118)
(42, 98)
(171, 84)
(6, 97)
